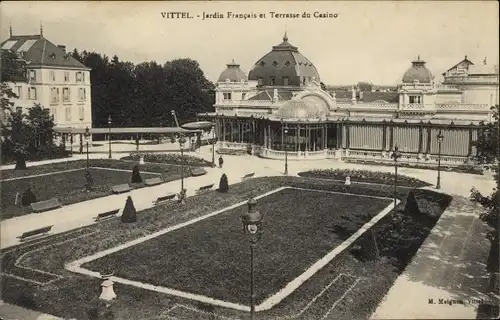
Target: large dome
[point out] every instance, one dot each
(302, 109)
(418, 72)
(284, 66)
(232, 73)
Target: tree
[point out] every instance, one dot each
(16, 136)
(223, 184)
(129, 214)
(136, 176)
(488, 153)
(365, 86)
(41, 126)
(11, 71)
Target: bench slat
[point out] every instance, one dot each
(121, 188)
(35, 233)
(107, 215)
(168, 197)
(247, 176)
(153, 181)
(45, 205)
(205, 188)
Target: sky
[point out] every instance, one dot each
(361, 41)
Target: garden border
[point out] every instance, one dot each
(76, 266)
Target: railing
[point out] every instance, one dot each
(414, 158)
(459, 106)
(250, 102)
(412, 106)
(493, 79)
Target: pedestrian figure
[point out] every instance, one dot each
(347, 181)
(221, 161)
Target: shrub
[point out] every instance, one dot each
(129, 214)
(136, 176)
(223, 183)
(169, 158)
(411, 204)
(28, 197)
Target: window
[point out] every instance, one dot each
(272, 81)
(52, 76)
(54, 113)
(285, 81)
(81, 113)
(243, 95)
(79, 77)
(415, 99)
(32, 75)
(66, 95)
(66, 76)
(53, 95)
(32, 93)
(19, 92)
(82, 94)
(68, 114)
(260, 81)
(227, 96)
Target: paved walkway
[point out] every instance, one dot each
(454, 249)
(12, 312)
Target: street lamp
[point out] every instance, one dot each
(440, 138)
(286, 149)
(214, 140)
(87, 135)
(182, 195)
(109, 135)
(395, 155)
(252, 226)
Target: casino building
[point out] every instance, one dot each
(281, 106)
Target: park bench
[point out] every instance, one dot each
(198, 172)
(153, 181)
(248, 176)
(121, 188)
(168, 197)
(45, 205)
(204, 188)
(37, 233)
(106, 215)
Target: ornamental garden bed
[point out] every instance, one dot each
(66, 181)
(364, 176)
(359, 281)
(169, 158)
(462, 168)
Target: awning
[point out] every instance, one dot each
(198, 125)
(124, 130)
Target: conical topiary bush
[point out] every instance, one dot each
(28, 197)
(136, 175)
(412, 204)
(223, 183)
(129, 214)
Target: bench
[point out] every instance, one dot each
(35, 233)
(198, 172)
(168, 197)
(153, 181)
(204, 188)
(106, 215)
(45, 205)
(121, 188)
(248, 176)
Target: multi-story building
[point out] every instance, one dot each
(52, 78)
(281, 107)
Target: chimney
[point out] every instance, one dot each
(63, 48)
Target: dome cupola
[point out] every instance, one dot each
(285, 66)
(232, 73)
(418, 72)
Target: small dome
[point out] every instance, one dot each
(233, 73)
(418, 72)
(302, 109)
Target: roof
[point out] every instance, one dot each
(233, 73)
(418, 72)
(302, 109)
(39, 51)
(483, 69)
(124, 130)
(198, 125)
(386, 96)
(267, 95)
(465, 60)
(283, 61)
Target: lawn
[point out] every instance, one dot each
(66, 181)
(210, 256)
(360, 283)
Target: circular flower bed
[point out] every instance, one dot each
(364, 176)
(169, 158)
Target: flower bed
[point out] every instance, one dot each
(364, 176)
(169, 158)
(72, 296)
(462, 168)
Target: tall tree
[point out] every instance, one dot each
(11, 71)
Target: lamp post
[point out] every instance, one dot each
(440, 138)
(213, 145)
(182, 195)
(109, 135)
(286, 150)
(252, 226)
(395, 155)
(87, 134)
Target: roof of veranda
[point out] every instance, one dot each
(124, 130)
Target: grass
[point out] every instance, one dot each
(207, 257)
(74, 295)
(169, 158)
(69, 187)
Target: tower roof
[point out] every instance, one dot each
(233, 73)
(419, 72)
